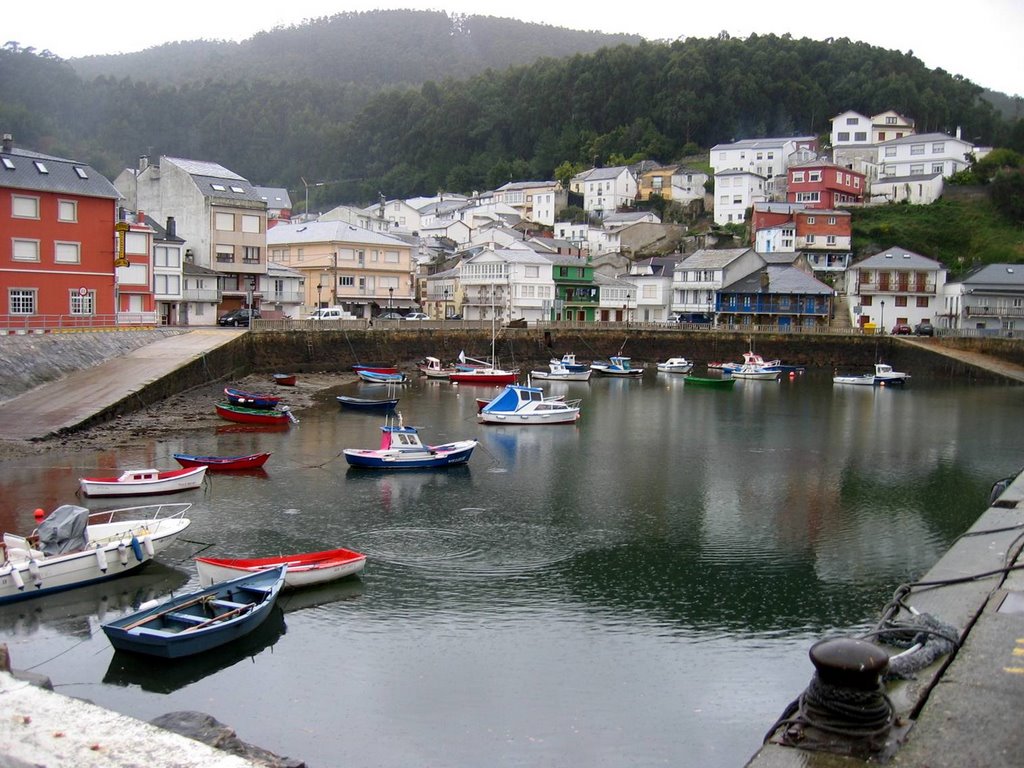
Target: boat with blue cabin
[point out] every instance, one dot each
(517, 404)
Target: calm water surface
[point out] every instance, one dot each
(637, 589)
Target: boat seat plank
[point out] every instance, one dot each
(184, 618)
(227, 604)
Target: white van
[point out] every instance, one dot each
(331, 313)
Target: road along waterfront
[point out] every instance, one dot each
(639, 588)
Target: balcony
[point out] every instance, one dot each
(993, 311)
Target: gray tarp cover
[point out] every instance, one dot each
(63, 530)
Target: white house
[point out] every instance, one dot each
(699, 276)
(606, 190)
(283, 291)
(652, 282)
(507, 285)
(924, 154)
(688, 184)
(894, 287)
(989, 299)
(768, 158)
(917, 190)
(735, 192)
(536, 201)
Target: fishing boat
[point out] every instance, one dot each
(883, 376)
(755, 373)
(223, 463)
(569, 361)
(558, 371)
(282, 416)
(284, 379)
(250, 399)
(617, 366)
(143, 482)
(72, 548)
(675, 365)
(432, 368)
(401, 448)
(382, 378)
(199, 621)
(367, 403)
(481, 402)
(375, 367)
(750, 358)
(304, 570)
(709, 382)
(517, 404)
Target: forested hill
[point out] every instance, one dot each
(370, 49)
(657, 101)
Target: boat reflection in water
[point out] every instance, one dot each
(169, 675)
(73, 612)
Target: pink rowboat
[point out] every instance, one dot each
(223, 463)
(140, 482)
(304, 570)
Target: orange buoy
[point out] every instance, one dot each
(39, 514)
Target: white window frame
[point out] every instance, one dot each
(67, 252)
(24, 249)
(223, 221)
(81, 305)
(250, 223)
(24, 207)
(19, 299)
(67, 211)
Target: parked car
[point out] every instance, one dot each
(902, 329)
(389, 316)
(454, 317)
(331, 313)
(238, 317)
(416, 316)
(924, 328)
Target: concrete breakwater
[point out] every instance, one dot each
(32, 361)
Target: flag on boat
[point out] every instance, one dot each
(462, 356)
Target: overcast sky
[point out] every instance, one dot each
(981, 40)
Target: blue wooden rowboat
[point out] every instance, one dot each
(199, 621)
(250, 399)
(367, 404)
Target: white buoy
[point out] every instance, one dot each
(147, 544)
(101, 559)
(33, 568)
(122, 553)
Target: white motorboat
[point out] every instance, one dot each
(558, 371)
(141, 482)
(618, 366)
(883, 376)
(675, 365)
(72, 548)
(755, 373)
(517, 404)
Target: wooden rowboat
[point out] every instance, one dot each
(141, 482)
(367, 403)
(702, 381)
(304, 570)
(375, 367)
(272, 416)
(223, 463)
(285, 379)
(250, 399)
(199, 621)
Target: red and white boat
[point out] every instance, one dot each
(485, 376)
(269, 416)
(304, 570)
(139, 482)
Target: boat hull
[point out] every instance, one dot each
(116, 548)
(304, 570)
(250, 399)
(367, 404)
(223, 463)
(199, 621)
(241, 415)
(431, 457)
(484, 376)
(583, 375)
(701, 381)
(382, 378)
(144, 482)
(284, 379)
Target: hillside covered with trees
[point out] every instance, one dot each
(308, 113)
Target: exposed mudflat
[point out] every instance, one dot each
(186, 411)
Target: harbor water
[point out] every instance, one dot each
(640, 588)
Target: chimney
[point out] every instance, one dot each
(958, 131)
(140, 217)
(143, 162)
(764, 280)
(172, 228)
(8, 142)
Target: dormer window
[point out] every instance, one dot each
(40, 166)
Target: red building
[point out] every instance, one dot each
(58, 249)
(821, 184)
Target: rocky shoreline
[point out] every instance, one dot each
(186, 411)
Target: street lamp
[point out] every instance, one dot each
(445, 308)
(883, 317)
(319, 290)
(391, 295)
